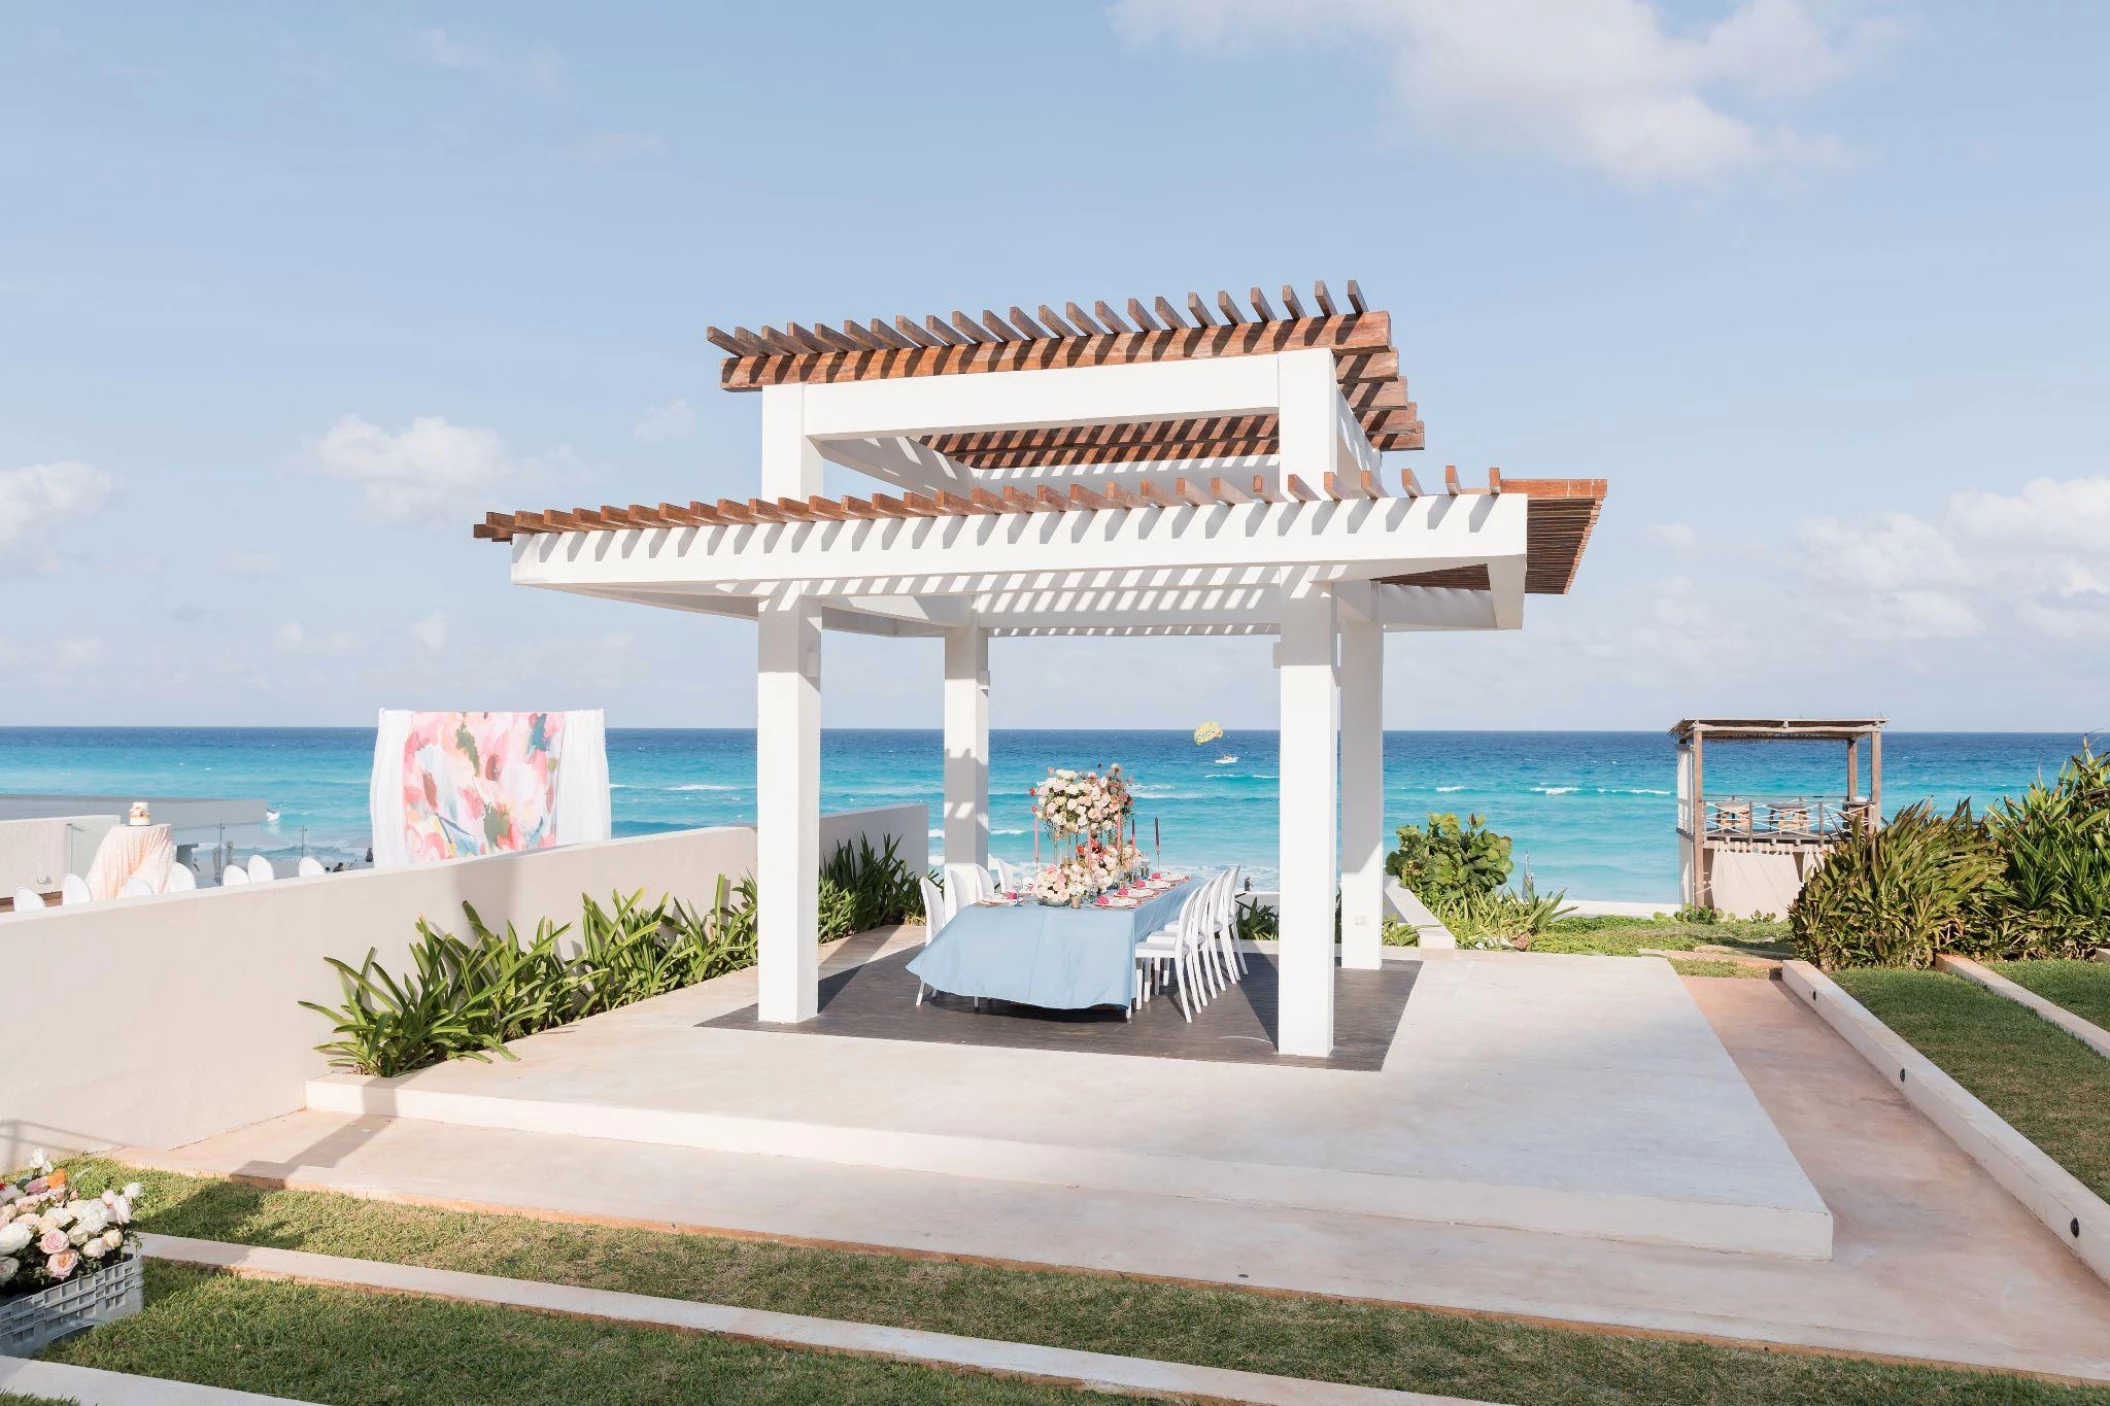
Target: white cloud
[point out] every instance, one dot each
(431, 632)
(38, 500)
(1670, 534)
(674, 420)
(293, 638)
(538, 69)
(427, 467)
(1603, 84)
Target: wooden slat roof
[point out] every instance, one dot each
(1366, 364)
(1557, 526)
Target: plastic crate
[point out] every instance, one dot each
(33, 1322)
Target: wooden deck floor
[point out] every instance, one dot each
(877, 1001)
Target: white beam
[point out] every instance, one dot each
(1079, 395)
(1352, 540)
(1362, 792)
(788, 808)
(791, 465)
(1506, 577)
(966, 758)
(1307, 820)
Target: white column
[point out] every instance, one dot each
(1362, 791)
(788, 744)
(788, 807)
(1308, 828)
(966, 756)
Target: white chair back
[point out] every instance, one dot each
(984, 886)
(136, 887)
(260, 870)
(233, 876)
(28, 898)
(182, 879)
(75, 890)
(310, 866)
(935, 915)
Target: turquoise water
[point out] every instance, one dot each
(1592, 812)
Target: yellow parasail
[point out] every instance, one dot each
(1207, 732)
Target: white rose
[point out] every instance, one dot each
(121, 1210)
(94, 1249)
(77, 1236)
(133, 1191)
(113, 1239)
(16, 1236)
(60, 1217)
(8, 1268)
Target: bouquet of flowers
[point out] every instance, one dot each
(49, 1232)
(1072, 803)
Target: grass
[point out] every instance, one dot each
(12, 1398)
(2049, 1087)
(317, 1343)
(1625, 937)
(2081, 987)
(1407, 1349)
(1716, 966)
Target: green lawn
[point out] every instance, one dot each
(315, 1343)
(1485, 1359)
(10, 1398)
(2050, 1087)
(2081, 987)
(1624, 937)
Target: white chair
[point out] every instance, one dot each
(936, 912)
(136, 887)
(1010, 878)
(233, 876)
(28, 898)
(1226, 925)
(260, 870)
(1174, 944)
(984, 886)
(310, 866)
(182, 879)
(74, 889)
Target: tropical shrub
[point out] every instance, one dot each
(863, 888)
(1504, 917)
(1895, 895)
(468, 997)
(2051, 897)
(1258, 922)
(1443, 860)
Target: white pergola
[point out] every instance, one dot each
(1085, 473)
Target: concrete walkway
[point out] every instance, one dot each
(91, 1386)
(1095, 1371)
(1932, 1259)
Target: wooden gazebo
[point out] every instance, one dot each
(1211, 467)
(1750, 854)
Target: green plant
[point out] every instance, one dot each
(2052, 895)
(1895, 895)
(1446, 860)
(1258, 922)
(1688, 913)
(863, 888)
(1504, 917)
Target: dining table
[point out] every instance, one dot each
(1057, 958)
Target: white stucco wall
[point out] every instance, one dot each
(157, 1021)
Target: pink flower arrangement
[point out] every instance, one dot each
(47, 1228)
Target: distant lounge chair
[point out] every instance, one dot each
(260, 870)
(28, 898)
(233, 875)
(182, 879)
(310, 866)
(75, 890)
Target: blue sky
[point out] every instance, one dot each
(290, 295)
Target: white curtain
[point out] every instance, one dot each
(580, 804)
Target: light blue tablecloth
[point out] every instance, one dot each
(1055, 958)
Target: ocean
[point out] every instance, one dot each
(1590, 812)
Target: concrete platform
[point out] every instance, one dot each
(1561, 1095)
(1932, 1259)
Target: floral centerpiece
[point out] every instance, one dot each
(1088, 812)
(49, 1233)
